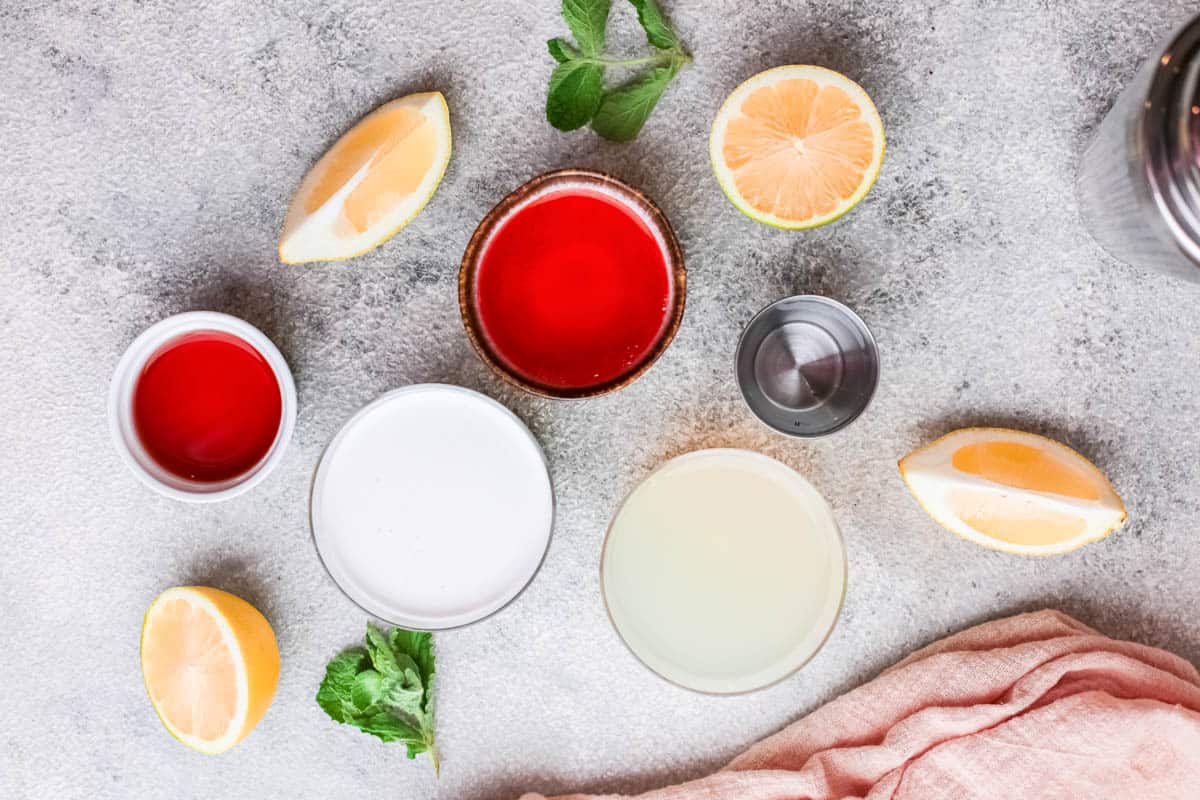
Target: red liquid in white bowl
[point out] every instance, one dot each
(207, 406)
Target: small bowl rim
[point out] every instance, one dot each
(546, 182)
(855, 319)
(120, 398)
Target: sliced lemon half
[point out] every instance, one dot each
(1013, 491)
(211, 665)
(797, 146)
(371, 183)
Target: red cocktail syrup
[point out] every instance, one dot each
(573, 290)
(207, 406)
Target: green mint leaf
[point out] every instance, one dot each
(624, 111)
(335, 694)
(587, 20)
(380, 650)
(417, 645)
(576, 94)
(385, 690)
(405, 698)
(658, 33)
(561, 51)
(405, 692)
(389, 728)
(367, 690)
(418, 746)
(576, 89)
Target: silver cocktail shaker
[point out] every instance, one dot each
(1139, 180)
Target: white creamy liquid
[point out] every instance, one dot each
(432, 507)
(724, 571)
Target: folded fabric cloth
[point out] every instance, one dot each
(1032, 707)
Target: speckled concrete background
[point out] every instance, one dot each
(149, 150)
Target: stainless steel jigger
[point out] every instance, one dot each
(807, 365)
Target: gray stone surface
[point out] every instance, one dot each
(148, 150)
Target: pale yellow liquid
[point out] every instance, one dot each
(724, 571)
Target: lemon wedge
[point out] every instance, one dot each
(1013, 491)
(371, 183)
(210, 664)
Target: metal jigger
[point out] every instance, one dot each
(807, 365)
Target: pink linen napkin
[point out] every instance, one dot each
(1032, 707)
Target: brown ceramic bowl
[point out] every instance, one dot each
(541, 185)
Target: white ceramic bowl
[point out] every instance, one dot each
(432, 507)
(120, 407)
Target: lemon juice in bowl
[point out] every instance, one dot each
(724, 571)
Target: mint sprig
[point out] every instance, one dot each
(385, 689)
(577, 94)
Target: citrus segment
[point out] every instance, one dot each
(210, 664)
(1013, 522)
(1013, 491)
(1024, 467)
(797, 146)
(371, 183)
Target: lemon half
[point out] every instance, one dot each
(797, 146)
(210, 664)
